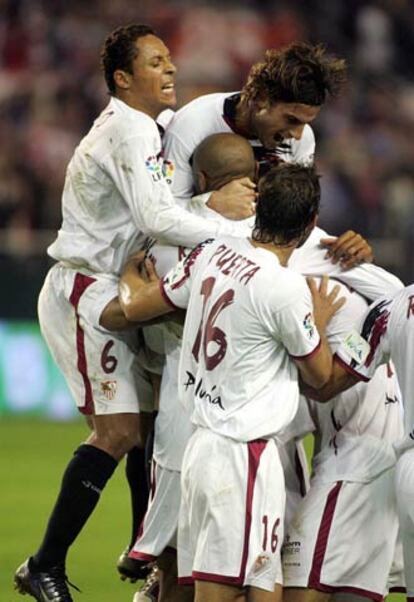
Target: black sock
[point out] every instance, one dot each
(85, 477)
(135, 470)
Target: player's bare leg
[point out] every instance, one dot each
(170, 591)
(348, 598)
(206, 591)
(254, 594)
(296, 594)
(115, 434)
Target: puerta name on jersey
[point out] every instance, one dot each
(202, 393)
(232, 264)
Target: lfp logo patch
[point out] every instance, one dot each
(168, 170)
(154, 168)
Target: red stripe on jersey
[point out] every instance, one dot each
(166, 297)
(80, 285)
(310, 354)
(349, 369)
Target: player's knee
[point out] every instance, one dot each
(117, 440)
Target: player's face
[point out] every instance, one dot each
(274, 123)
(152, 83)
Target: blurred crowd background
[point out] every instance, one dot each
(51, 89)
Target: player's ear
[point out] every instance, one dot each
(122, 79)
(201, 181)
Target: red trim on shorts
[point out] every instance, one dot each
(185, 581)
(214, 578)
(310, 354)
(349, 369)
(80, 285)
(321, 544)
(166, 297)
(142, 556)
(329, 589)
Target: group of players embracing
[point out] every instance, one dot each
(191, 287)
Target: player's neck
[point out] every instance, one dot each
(282, 252)
(242, 119)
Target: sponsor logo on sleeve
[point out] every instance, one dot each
(309, 325)
(356, 347)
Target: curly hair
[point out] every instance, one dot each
(301, 72)
(119, 51)
(288, 201)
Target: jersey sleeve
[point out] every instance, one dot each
(177, 152)
(294, 322)
(138, 175)
(363, 350)
(369, 280)
(176, 285)
(305, 152)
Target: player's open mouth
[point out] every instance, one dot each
(168, 88)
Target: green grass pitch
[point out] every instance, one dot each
(33, 456)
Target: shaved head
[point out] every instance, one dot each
(220, 158)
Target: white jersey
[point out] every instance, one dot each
(205, 116)
(245, 315)
(116, 193)
(356, 429)
(388, 326)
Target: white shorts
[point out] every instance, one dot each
(405, 498)
(230, 526)
(102, 372)
(343, 538)
(295, 468)
(158, 529)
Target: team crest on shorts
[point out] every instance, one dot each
(261, 563)
(108, 388)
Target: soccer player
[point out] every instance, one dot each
(343, 537)
(386, 332)
(115, 194)
(246, 314)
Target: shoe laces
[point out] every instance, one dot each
(56, 581)
(151, 580)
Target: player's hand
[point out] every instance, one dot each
(325, 304)
(350, 249)
(235, 200)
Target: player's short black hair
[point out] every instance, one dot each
(301, 73)
(288, 201)
(119, 50)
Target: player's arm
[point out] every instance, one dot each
(140, 294)
(315, 368)
(138, 177)
(340, 379)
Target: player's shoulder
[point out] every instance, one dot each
(119, 122)
(197, 114)
(304, 148)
